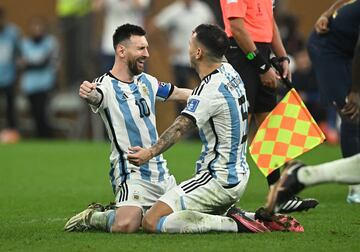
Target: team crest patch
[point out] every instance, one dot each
(192, 105)
(144, 88)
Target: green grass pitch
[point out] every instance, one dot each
(44, 183)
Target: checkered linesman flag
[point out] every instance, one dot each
(287, 132)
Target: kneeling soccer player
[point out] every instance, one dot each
(218, 107)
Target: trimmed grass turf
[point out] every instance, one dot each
(44, 183)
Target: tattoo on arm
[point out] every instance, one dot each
(181, 126)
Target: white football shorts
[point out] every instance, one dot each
(142, 193)
(205, 194)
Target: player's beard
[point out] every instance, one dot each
(134, 66)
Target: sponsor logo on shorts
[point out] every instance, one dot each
(136, 195)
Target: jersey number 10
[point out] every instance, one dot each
(143, 107)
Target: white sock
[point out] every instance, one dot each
(354, 189)
(195, 222)
(103, 220)
(345, 171)
(250, 215)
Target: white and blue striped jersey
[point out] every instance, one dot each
(128, 111)
(218, 106)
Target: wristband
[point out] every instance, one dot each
(258, 61)
(281, 59)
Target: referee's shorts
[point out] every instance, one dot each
(260, 97)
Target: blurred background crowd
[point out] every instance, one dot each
(47, 48)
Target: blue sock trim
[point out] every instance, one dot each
(182, 203)
(110, 218)
(160, 224)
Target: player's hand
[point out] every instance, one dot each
(352, 106)
(87, 89)
(321, 25)
(138, 156)
(270, 78)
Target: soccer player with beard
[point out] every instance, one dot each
(218, 108)
(125, 99)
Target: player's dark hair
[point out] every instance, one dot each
(125, 31)
(213, 38)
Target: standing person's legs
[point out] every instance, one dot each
(84, 54)
(71, 38)
(10, 134)
(333, 72)
(38, 102)
(350, 146)
(10, 106)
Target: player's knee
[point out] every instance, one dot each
(124, 226)
(149, 223)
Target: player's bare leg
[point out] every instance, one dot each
(127, 219)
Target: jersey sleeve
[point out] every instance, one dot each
(234, 8)
(164, 91)
(103, 102)
(200, 108)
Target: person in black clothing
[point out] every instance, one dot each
(331, 48)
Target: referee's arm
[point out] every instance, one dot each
(247, 45)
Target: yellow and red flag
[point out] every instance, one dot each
(287, 132)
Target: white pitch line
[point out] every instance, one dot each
(43, 220)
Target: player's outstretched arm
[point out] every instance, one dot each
(180, 94)
(89, 93)
(138, 156)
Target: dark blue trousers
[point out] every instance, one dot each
(333, 72)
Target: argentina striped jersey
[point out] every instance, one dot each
(219, 108)
(128, 111)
